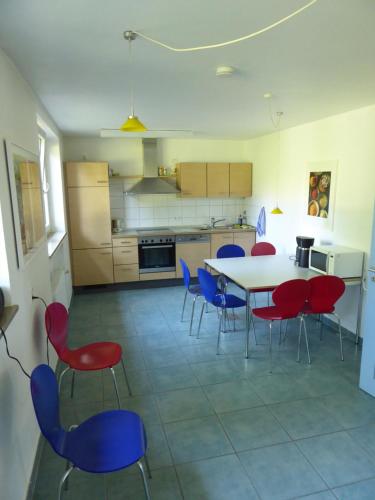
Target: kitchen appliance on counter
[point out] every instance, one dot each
(156, 251)
(303, 250)
(336, 260)
(116, 225)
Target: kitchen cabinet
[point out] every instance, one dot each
(193, 250)
(86, 174)
(217, 180)
(191, 179)
(90, 217)
(240, 179)
(125, 259)
(92, 266)
(218, 240)
(246, 240)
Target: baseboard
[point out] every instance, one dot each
(35, 470)
(326, 320)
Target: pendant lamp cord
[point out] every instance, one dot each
(230, 42)
(131, 79)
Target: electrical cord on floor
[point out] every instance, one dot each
(35, 297)
(10, 355)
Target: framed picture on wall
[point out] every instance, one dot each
(320, 198)
(25, 189)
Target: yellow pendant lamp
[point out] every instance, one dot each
(132, 124)
(277, 210)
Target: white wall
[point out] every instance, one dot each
(348, 139)
(18, 427)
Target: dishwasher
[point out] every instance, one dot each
(193, 249)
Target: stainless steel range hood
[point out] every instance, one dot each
(151, 183)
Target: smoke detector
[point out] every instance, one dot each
(225, 70)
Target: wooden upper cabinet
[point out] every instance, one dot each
(29, 175)
(89, 217)
(240, 179)
(192, 179)
(86, 174)
(218, 180)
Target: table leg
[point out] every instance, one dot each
(247, 323)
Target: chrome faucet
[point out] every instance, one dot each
(215, 221)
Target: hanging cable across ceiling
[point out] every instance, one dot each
(229, 42)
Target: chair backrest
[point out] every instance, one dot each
(56, 321)
(45, 396)
(263, 248)
(227, 251)
(185, 273)
(291, 296)
(208, 284)
(325, 291)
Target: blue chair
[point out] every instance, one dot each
(106, 442)
(192, 289)
(228, 251)
(221, 300)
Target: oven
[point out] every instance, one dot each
(157, 253)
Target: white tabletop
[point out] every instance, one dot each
(259, 272)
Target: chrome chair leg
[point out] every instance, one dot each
(72, 384)
(147, 466)
(234, 320)
(115, 384)
(183, 307)
(286, 329)
(192, 315)
(126, 378)
(270, 346)
(340, 335)
(219, 333)
(321, 328)
(62, 375)
(299, 340)
(200, 319)
(306, 339)
(62, 481)
(253, 322)
(280, 332)
(145, 483)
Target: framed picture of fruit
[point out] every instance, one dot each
(319, 194)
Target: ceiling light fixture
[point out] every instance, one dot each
(225, 70)
(132, 124)
(275, 119)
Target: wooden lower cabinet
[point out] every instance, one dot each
(245, 240)
(157, 276)
(193, 254)
(218, 240)
(126, 272)
(125, 255)
(92, 266)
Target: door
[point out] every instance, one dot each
(86, 174)
(218, 180)
(245, 240)
(240, 179)
(367, 376)
(90, 217)
(192, 179)
(193, 253)
(92, 267)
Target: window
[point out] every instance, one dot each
(44, 180)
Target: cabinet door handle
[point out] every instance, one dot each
(126, 251)
(27, 184)
(105, 253)
(105, 244)
(102, 182)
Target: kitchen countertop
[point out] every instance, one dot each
(178, 230)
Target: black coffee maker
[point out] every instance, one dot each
(303, 250)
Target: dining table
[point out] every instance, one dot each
(266, 271)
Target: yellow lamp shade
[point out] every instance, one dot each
(132, 124)
(276, 211)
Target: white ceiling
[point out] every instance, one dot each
(73, 54)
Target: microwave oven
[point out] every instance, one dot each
(339, 261)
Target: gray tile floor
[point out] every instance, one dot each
(220, 427)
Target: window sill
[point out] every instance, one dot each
(53, 242)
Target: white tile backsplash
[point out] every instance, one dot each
(171, 210)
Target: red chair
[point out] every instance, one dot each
(325, 291)
(289, 299)
(95, 356)
(263, 248)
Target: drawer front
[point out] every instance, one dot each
(125, 255)
(124, 242)
(126, 272)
